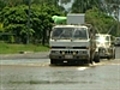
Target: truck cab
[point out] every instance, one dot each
(72, 44)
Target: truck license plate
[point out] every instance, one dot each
(68, 56)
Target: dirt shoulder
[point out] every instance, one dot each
(39, 55)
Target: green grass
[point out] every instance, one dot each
(6, 48)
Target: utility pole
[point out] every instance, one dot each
(119, 13)
(28, 23)
(118, 19)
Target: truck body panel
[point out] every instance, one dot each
(75, 19)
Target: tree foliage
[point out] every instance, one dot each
(101, 21)
(15, 21)
(81, 6)
(15, 14)
(112, 7)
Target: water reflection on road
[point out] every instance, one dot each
(31, 77)
(36, 74)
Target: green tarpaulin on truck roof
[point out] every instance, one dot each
(59, 19)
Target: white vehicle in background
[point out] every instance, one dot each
(72, 44)
(105, 46)
(117, 41)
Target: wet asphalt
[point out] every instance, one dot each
(28, 73)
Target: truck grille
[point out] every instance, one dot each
(68, 52)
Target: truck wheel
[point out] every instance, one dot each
(52, 61)
(109, 57)
(55, 62)
(113, 56)
(91, 61)
(97, 58)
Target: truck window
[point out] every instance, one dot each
(67, 33)
(62, 33)
(80, 33)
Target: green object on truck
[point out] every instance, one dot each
(59, 19)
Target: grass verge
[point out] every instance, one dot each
(6, 48)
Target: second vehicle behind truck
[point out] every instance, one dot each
(105, 45)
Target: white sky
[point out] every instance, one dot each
(68, 5)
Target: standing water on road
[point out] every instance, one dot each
(101, 77)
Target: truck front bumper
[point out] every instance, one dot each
(105, 52)
(69, 57)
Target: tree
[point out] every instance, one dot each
(101, 21)
(112, 7)
(81, 6)
(2, 4)
(15, 22)
(45, 16)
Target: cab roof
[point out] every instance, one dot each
(71, 26)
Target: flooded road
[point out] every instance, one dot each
(101, 77)
(37, 74)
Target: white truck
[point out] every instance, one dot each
(73, 44)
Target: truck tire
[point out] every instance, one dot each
(113, 56)
(52, 62)
(91, 61)
(109, 57)
(55, 62)
(97, 58)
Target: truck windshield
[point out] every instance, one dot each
(102, 38)
(102, 41)
(67, 33)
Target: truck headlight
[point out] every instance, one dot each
(63, 53)
(74, 53)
